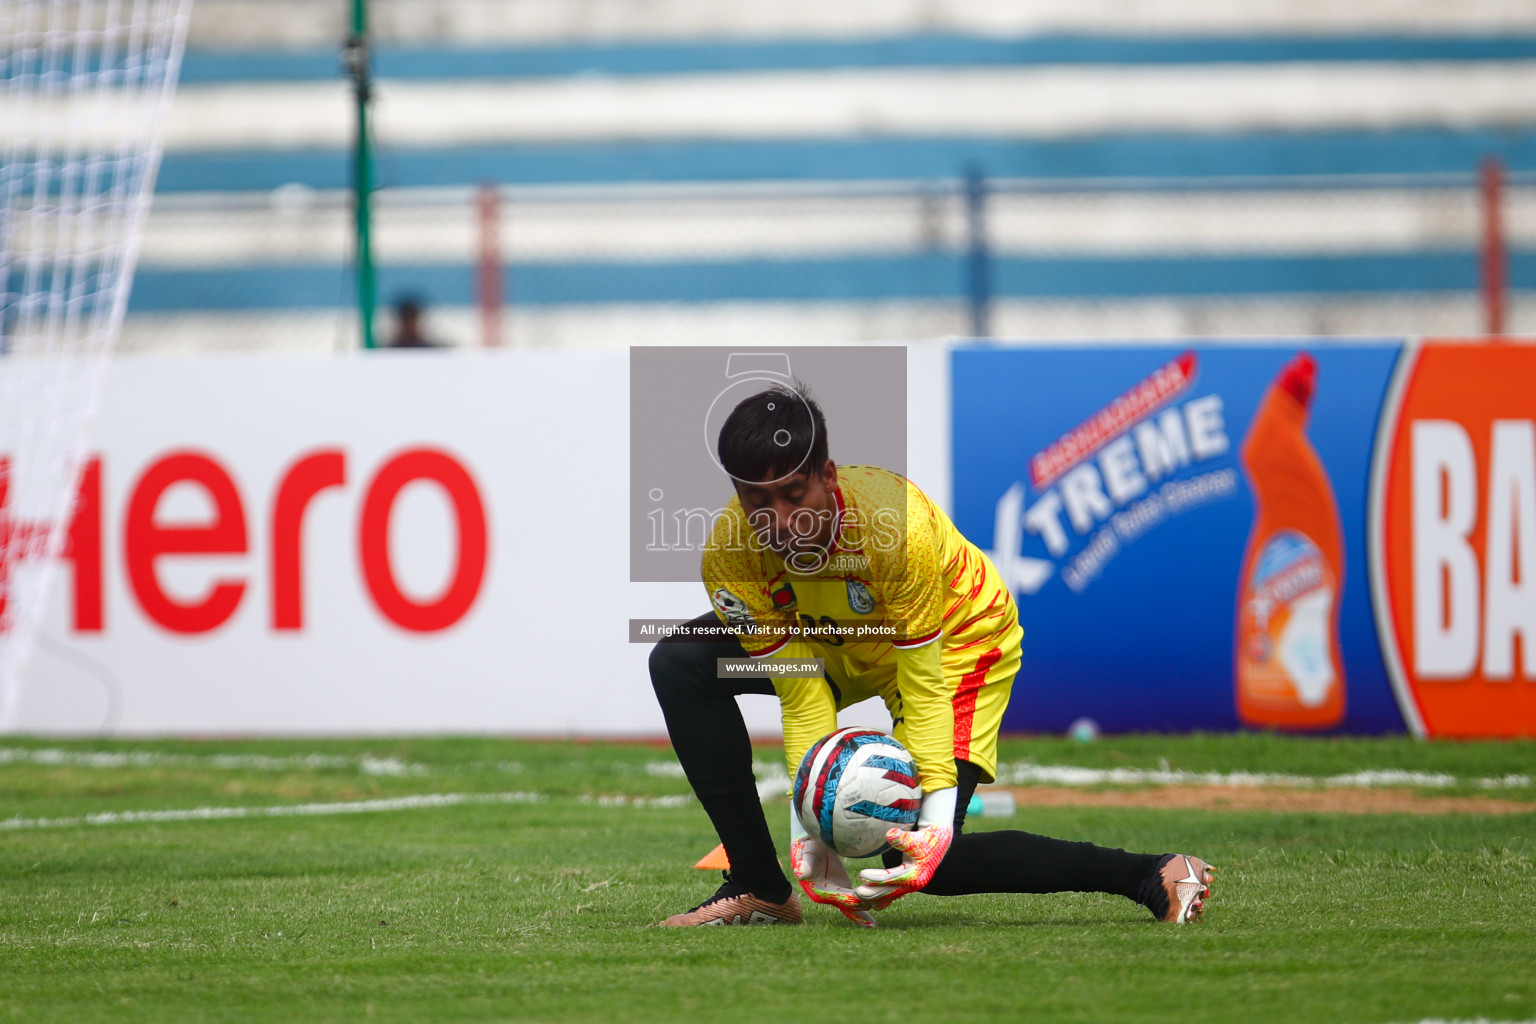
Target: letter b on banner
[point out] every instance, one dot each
(1445, 568)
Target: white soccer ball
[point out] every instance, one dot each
(853, 786)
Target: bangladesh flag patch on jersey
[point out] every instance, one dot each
(783, 595)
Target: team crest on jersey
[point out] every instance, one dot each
(783, 595)
(859, 598)
(732, 608)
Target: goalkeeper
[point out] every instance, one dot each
(856, 566)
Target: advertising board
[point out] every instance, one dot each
(1453, 538)
(396, 542)
(1309, 535)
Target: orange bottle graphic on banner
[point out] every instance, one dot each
(1290, 672)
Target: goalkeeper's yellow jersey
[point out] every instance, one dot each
(904, 608)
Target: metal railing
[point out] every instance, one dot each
(772, 262)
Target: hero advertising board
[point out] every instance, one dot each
(1309, 535)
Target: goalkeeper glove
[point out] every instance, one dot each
(821, 874)
(922, 851)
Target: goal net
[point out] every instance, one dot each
(84, 90)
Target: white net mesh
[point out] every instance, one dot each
(84, 90)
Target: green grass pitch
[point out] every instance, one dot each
(542, 911)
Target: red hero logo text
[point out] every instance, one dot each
(147, 541)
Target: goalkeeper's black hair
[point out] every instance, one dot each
(764, 438)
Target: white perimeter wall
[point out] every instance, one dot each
(543, 650)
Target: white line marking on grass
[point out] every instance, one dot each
(772, 779)
(773, 782)
(396, 803)
(676, 800)
(53, 757)
(1025, 773)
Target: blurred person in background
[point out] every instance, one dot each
(408, 333)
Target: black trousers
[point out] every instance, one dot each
(711, 742)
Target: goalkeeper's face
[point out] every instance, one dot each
(795, 516)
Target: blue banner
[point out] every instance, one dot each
(1184, 529)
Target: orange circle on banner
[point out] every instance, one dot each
(1460, 446)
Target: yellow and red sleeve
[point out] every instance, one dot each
(929, 716)
(916, 599)
(807, 706)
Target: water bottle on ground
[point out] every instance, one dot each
(990, 803)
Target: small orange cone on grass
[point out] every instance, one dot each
(715, 860)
